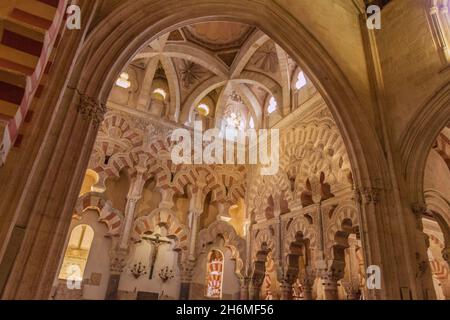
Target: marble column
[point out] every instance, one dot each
(133, 197)
(196, 209)
(47, 172)
(286, 287)
(351, 281)
(307, 291)
(187, 271)
(308, 283)
(39, 233)
(118, 262)
(330, 285)
(244, 288)
(255, 291)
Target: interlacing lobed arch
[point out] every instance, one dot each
(312, 147)
(231, 239)
(107, 214)
(162, 218)
(153, 144)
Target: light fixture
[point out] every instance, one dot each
(123, 81)
(301, 80)
(272, 105)
(226, 218)
(203, 109)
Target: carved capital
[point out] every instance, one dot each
(371, 195)
(419, 209)
(118, 261)
(91, 110)
(187, 270)
(289, 276)
(422, 265)
(366, 195)
(244, 282)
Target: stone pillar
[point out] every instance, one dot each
(186, 279)
(196, 210)
(352, 289)
(186, 274)
(307, 291)
(308, 283)
(194, 218)
(330, 284)
(254, 290)
(166, 199)
(118, 261)
(244, 292)
(196, 204)
(45, 211)
(286, 290)
(351, 281)
(133, 197)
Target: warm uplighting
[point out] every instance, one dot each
(272, 105)
(123, 81)
(203, 109)
(160, 92)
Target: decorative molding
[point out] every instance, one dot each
(366, 196)
(91, 110)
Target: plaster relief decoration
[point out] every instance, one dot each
(266, 58)
(218, 35)
(190, 73)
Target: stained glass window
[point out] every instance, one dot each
(214, 274)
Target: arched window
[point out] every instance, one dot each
(124, 80)
(272, 105)
(440, 28)
(301, 81)
(77, 253)
(214, 274)
(251, 123)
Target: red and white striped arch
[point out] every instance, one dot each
(28, 31)
(162, 218)
(107, 214)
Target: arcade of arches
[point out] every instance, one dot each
(93, 206)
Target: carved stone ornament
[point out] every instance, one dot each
(367, 196)
(91, 110)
